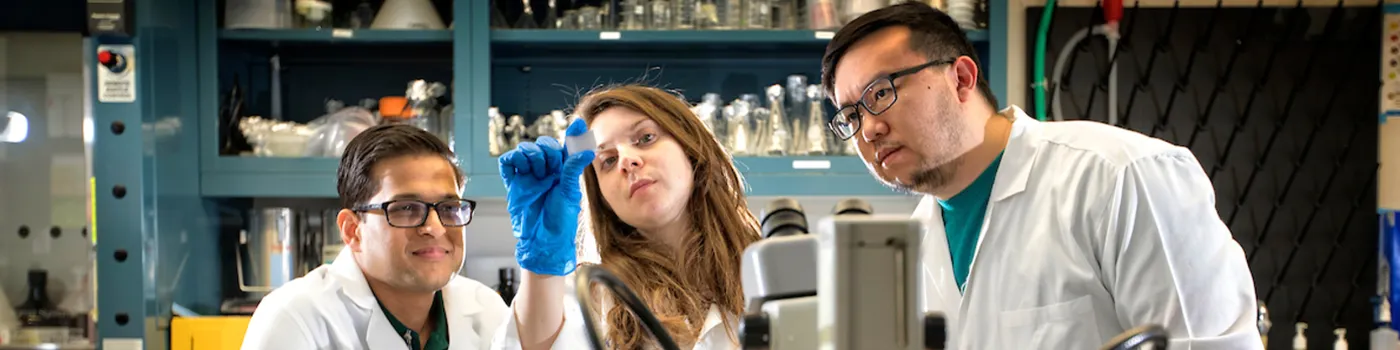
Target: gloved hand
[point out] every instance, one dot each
(543, 198)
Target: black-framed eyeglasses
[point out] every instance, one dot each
(876, 99)
(411, 213)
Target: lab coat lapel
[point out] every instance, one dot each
(461, 321)
(1012, 174)
(940, 288)
(1016, 161)
(353, 281)
(714, 318)
(379, 334)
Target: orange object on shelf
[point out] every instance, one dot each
(208, 332)
(394, 107)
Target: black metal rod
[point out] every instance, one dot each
(1293, 175)
(1318, 123)
(1216, 92)
(1089, 105)
(1224, 155)
(1342, 233)
(1355, 283)
(1316, 208)
(1185, 78)
(1124, 41)
(1158, 46)
(1331, 27)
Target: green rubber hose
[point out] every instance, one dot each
(1041, 35)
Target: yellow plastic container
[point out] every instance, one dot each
(208, 333)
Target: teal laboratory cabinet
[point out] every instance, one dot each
(171, 182)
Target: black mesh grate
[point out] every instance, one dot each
(1280, 106)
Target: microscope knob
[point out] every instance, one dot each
(753, 331)
(935, 331)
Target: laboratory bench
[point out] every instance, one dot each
(214, 126)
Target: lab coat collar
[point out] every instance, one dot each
(713, 318)
(356, 288)
(353, 281)
(1015, 169)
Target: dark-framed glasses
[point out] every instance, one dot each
(410, 213)
(877, 98)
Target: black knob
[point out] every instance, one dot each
(38, 276)
(852, 206)
(753, 331)
(935, 331)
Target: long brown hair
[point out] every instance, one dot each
(679, 288)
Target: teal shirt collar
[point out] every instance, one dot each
(977, 193)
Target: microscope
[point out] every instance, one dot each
(855, 280)
(852, 285)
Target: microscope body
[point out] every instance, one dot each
(852, 285)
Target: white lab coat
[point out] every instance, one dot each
(713, 334)
(332, 307)
(1092, 230)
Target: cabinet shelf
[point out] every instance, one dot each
(815, 37)
(253, 177)
(269, 177)
(337, 36)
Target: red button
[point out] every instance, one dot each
(1394, 38)
(104, 57)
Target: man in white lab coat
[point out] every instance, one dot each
(395, 285)
(1039, 235)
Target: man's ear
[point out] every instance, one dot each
(965, 71)
(349, 224)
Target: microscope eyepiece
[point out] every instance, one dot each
(783, 217)
(852, 206)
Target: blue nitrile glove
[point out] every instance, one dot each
(543, 197)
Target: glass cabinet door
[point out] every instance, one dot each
(46, 259)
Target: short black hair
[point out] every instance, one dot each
(355, 180)
(932, 33)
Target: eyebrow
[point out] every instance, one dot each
(418, 197)
(609, 143)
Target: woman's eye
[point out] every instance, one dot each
(646, 138)
(609, 161)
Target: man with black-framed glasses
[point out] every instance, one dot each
(1038, 235)
(395, 285)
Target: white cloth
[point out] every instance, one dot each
(332, 307)
(713, 335)
(1092, 230)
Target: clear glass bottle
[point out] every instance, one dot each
(659, 13)
(758, 14)
(634, 14)
(314, 14)
(707, 15)
(731, 14)
(590, 18)
(683, 12)
(821, 15)
(786, 15)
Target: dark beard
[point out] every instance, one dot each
(929, 179)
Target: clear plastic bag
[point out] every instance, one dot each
(330, 133)
(274, 138)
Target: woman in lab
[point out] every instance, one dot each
(666, 208)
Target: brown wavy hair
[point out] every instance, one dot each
(679, 287)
